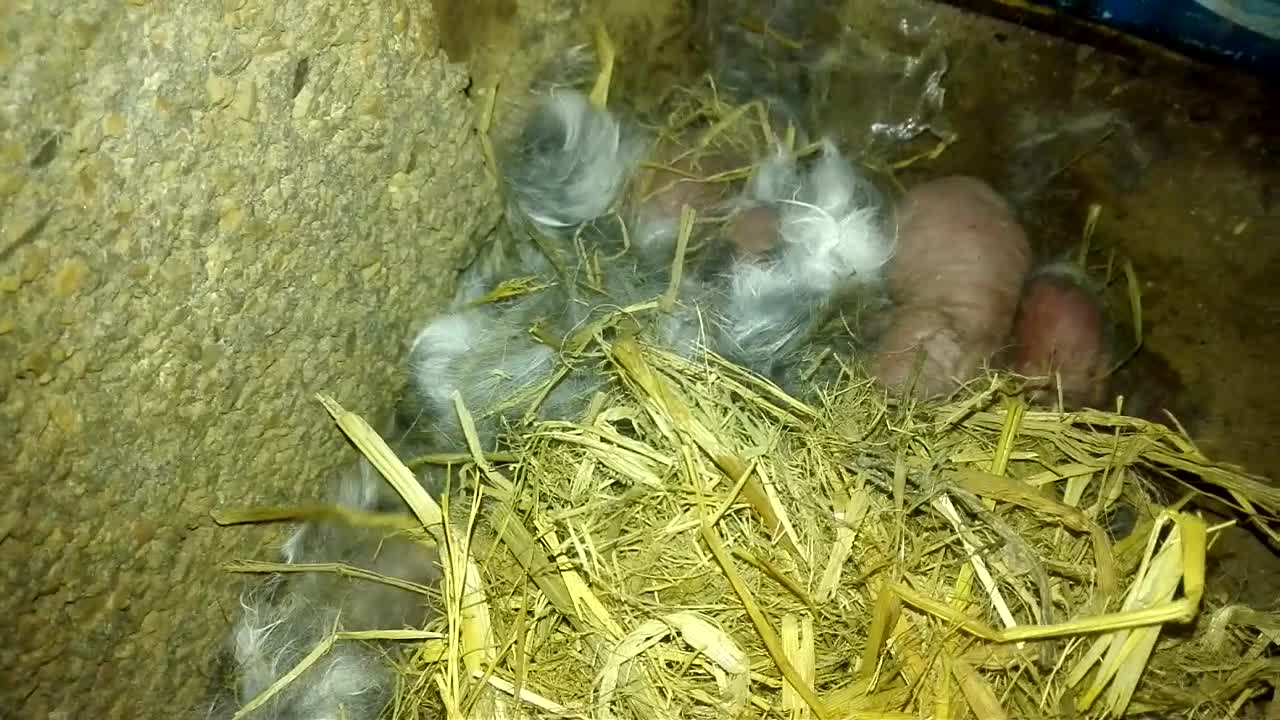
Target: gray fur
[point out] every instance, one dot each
(489, 356)
(286, 616)
(570, 164)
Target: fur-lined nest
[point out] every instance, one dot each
(702, 545)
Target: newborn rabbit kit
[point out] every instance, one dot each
(728, 422)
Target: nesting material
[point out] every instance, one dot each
(704, 546)
(697, 543)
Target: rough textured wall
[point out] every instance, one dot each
(209, 211)
(510, 43)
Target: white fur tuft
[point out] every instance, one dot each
(653, 235)
(767, 309)
(437, 350)
(830, 232)
(256, 652)
(269, 641)
(289, 551)
(359, 487)
(488, 356)
(776, 179)
(831, 238)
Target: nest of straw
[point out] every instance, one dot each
(702, 545)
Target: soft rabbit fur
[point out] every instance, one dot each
(569, 178)
(283, 618)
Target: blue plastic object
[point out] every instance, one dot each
(1245, 33)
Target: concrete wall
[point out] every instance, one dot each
(209, 211)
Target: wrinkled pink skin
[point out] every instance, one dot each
(753, 231)
(1060, 342)
(959, 264)
(669, 191)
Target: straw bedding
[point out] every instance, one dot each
(702, 545)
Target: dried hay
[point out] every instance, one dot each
(704, 546)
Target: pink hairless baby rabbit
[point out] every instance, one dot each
(1060, 339)
(1064, 344)
(751, 229)
(960, 261)
(965, 296)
